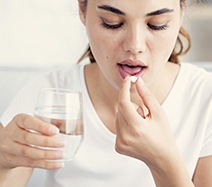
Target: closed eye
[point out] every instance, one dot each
(111, 26)
(158, 28)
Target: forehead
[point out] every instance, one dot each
(138, 3)
(138, 6)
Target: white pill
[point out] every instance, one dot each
(133, 78)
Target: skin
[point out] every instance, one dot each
(17, 158)
(135, 41)
(117, 97)
(132, 41)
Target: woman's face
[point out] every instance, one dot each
(133, 37)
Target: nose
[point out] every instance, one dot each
(135, 40)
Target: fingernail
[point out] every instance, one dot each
(53, 130)
(59, 165)
(60, 154)
(61, 143)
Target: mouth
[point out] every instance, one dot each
(130, 68)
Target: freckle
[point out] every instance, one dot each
(106, 57)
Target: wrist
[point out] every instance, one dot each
(170, 171)
(4, 173)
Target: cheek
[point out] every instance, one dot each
(170, 44)
(101, 44)
(163, 46)
(96, 41)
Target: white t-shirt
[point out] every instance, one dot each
(97, 164)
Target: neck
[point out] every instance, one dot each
(98, 87)
(104, 97)
(165, 82)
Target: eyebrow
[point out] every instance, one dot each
(117, 11)
(111, 9)
(159, 12)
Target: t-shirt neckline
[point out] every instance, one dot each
(101, 125)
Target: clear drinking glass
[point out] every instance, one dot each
(64, 109)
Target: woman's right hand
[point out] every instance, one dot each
(19, 144)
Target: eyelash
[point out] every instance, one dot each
(117, 26)
(112, 27)
(158, 28)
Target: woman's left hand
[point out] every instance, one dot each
(148, 138)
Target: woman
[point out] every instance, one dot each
(147, 117)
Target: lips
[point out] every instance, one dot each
(131, 68)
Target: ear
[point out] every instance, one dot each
(82, 10)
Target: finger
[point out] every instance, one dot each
(148, 98)
(125, 90)
(33, 163)
(31, 138)
(33, 152)
(31, 123)
(125, 106)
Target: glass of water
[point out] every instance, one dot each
(64, 109)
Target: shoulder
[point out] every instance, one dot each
(196, 69)
(194, 83)
(62, 77)
(196, 75)
(25, 99)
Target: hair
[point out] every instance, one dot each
(182, 46)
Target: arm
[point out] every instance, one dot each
(172, 173)
(203, 173)
(17, 177)
(17, 156)
(4, 173)
(149, 137)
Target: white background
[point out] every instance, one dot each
(40, 33)
(37, 33)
